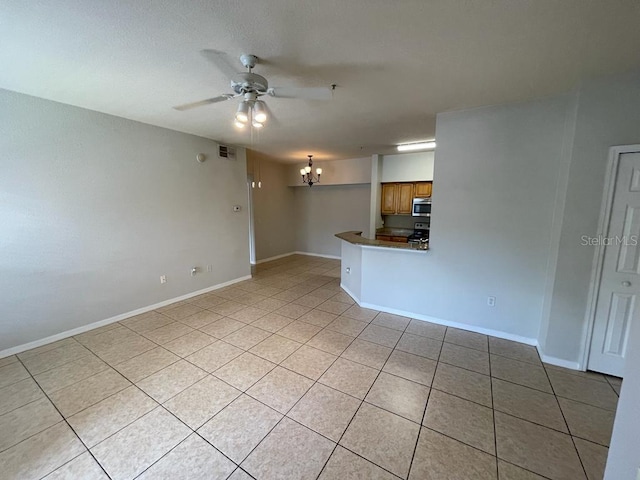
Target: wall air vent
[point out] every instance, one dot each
(226, 152)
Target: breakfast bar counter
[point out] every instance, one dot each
(356, 238)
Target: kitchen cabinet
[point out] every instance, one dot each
(389, 198)
(396, 198)
(423, 189)
(405, 199)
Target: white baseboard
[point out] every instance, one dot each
(351, 294)
(447, 323)
(334, 257)
(277, 257)
(101, 323)
(559, 362)
(309, 254)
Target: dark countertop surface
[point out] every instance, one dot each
(356, 238)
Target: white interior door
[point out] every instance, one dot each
(618, 300)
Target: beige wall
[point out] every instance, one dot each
(274, 216)
(323, 211)
(94, 208)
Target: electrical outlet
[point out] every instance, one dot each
(163, 279)
(348, 270)
(194, 270)
(491, 301)
(209, 268)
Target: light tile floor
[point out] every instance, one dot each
(284, 377)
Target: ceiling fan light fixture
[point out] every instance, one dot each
(239, 124)
(242, 115)
(257, 124)
(259, 111)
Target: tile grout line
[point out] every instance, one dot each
(64, 419)
(285, 415)
(424, 413)
(493, 413)
(584, 470)
(356, 413)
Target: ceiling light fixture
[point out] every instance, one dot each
(407, 147)
(259, 112)
(242, 115)
(308, 177)
(251, 111)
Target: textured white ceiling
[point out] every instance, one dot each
(396, 63)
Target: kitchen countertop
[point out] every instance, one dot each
(356, 238)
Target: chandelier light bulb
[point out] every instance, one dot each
(302, 171)
(257, 124)
(318, 171)
(239, 124)
(307, 169)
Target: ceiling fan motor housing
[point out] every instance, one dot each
(249, 82)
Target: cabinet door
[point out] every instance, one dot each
(389, 198)
(423, 189)
(405, 199)
(386, 238)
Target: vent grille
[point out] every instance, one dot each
(226, 152)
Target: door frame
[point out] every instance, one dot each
(603, 229)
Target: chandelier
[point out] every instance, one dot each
(307, 176)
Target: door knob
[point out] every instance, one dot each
(626, 283)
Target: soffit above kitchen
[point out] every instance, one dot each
(395, 64)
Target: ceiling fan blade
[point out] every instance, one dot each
(221, 61)
(308, 93)
(201, 103)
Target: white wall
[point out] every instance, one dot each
(375, 219)
(407, 167)
(322, 211)
(351, 257)
(334, 172)
(608, 114)
(275, 223)
(94, 208)
(494, 200)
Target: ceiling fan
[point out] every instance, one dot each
(251, 87)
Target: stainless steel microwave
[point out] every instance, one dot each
(421, 207)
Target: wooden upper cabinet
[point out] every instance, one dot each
(397, 199)
(389, 198)
(423, 189)
(405, 199)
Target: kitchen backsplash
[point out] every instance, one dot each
(400, 221)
